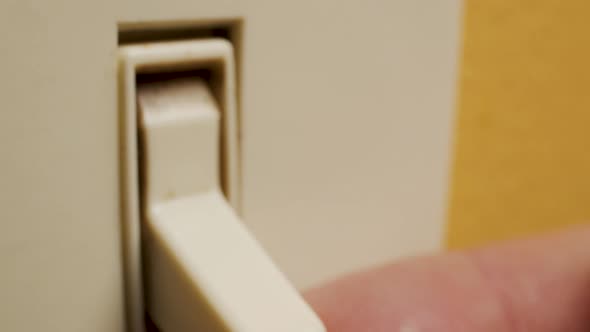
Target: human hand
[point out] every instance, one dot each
(535, 285)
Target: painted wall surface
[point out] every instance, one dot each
(522, 160)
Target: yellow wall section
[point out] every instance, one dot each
(522, 153)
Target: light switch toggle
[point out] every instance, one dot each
(202, 269)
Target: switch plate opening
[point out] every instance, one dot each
(211, 59)
(231, 29)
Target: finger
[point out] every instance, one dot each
(540, 285)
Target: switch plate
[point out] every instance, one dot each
(346, 132)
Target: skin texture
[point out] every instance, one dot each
(540, 284)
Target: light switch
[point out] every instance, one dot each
(190, 262)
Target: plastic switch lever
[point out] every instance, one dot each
(202, 269)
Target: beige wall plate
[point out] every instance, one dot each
(345, 123)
